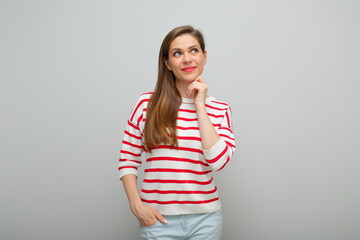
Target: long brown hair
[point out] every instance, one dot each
(163, 106)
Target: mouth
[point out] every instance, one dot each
(188, 69)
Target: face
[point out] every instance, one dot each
(186, 59)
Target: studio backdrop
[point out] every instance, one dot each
(71, 71)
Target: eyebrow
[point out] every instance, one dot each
(177, 49)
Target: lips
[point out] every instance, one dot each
(188, 69)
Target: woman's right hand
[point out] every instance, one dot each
(146, 215)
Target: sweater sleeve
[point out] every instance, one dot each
(132, 144)
(220, 154)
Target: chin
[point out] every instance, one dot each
(188, 79)
(191, 78)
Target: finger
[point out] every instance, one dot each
(190, 89)
(160, 217)
(198, 86)
(200, 79)
(148, 222)
(189, 92)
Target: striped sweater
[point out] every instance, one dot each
(178, 180)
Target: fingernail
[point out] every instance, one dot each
(165, 221)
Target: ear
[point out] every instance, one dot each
(205, 54)
(167, 64)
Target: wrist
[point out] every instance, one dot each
(135, 204)
(200, 101)
(200, 108)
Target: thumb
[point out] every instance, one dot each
(160, 217)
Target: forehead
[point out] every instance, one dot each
(184, 41)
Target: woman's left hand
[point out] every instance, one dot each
(198, 88)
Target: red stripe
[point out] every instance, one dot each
(177, 171)
(226, 128)
(227, 160)
(195, 128)
(187, 119)
(127, 152)
(180, 202)
(132, 135)
(139, 104)
(180, 148)
(177, 181)
(215, 116)
(187, 110)
(230, 144)
(209, 106)
(228, 118)
(176, 160)
(220, 103)
(219, 156)
(133, 125)
(187, 128)
(178, 192)
(226, 136)
(189, 138)
(129, 160)
(120, 168)
(139, 119)
(131, 144)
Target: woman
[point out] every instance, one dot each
(185, 135)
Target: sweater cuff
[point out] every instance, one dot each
(127, 172)
(215, 150)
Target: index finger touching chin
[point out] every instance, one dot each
(199, 79)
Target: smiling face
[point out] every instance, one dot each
(186, 59)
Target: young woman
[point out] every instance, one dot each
(185, 135)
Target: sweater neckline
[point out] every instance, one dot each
(192, 100)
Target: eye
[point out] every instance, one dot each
(177, 53)
(194, 50)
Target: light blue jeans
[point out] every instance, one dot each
(206, 226)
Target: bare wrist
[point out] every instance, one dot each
(200, 108)
(135, 204)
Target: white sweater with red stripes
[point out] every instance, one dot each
(178, 180)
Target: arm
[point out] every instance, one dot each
(218, 146)
(131, 150)
(221, 152)
(146, 215)
(209, 135)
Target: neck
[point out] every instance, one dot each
(182, 88)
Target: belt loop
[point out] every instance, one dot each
(183, 221)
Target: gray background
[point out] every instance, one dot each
(71, 71)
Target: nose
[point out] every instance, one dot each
(187, 58)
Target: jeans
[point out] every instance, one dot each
(207, 226)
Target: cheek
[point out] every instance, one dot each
(201, 61)
(174, 64)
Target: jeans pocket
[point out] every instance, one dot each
(151, 226)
